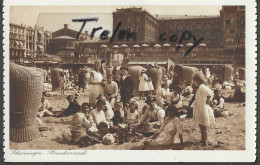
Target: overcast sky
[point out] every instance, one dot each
(53, 18)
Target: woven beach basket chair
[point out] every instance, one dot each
(25, 100)
(57, 79)
(228, 72)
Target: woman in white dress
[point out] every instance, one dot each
(150, 85)
(202, 112)
(143, 84)
(96, 89)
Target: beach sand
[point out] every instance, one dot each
(229, 133)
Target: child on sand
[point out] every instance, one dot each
(131, 114)
(171, 127)
(202, 112)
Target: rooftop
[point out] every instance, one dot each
(186, 17)
(65, 37)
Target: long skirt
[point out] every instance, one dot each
(94, 92)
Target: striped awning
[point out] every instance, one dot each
(21, 43)
(17, 42)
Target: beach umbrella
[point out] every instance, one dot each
(166, 45)
(202, 44)
(115, 46)
(124, 46)
(144, 45)
(179, 45)
(157, 45)
(189, 44)
(103, 46)
(136, 46)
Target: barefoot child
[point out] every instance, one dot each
(202, 112)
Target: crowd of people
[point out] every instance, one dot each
(116, 113)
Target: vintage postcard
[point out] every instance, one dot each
(138, 81)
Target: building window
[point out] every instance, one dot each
(228, 21)
(137, 19)
(227, 30)
(180, 27)
(171, 27)
(137, 29)
(188, 27)
(207, 27)
(232, 30)
(128, 20)
(232, 20)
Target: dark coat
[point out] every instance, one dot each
(127, 89)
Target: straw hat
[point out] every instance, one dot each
(108, 139)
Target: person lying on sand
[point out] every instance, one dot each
(73, 107)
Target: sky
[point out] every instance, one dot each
(53, 18)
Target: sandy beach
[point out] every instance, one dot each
(229, 133)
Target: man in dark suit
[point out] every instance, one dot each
(127, 86)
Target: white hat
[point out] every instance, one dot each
(108, 139)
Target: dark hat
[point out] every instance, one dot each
(149, 99)
(70, 97)
(123, 67)
(173, 108)
(101, 100)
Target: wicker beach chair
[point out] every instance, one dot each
(57, 77)
(25, 99)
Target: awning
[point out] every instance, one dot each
(136, 46)
(157, 45)
(124, 46)
(17, 42)
(144, 45)
(39, 61)
(21, 43)
(189, 44)
(103, 46)
(40, 32)
(39, 47)
(115, 46)
(163, 62)
(166, 45)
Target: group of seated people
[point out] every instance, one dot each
(113, 118)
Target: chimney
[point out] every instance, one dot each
(65, 26)
(86, 32)
(156, 15)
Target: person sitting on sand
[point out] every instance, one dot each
(161, 97)
(153, 114)
(239, 93)
(218, 104)
(98, 113)
(131, 112)
(111, 90)
(45, 109)
(81, 123)
(119, 107)
(171, 127)
(175, 97)
(73, 107)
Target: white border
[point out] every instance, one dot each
(247, 155)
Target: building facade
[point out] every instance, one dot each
(27, 42)
(138, 21)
